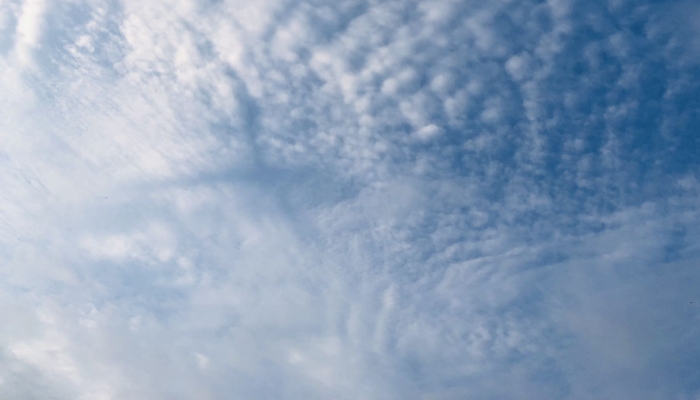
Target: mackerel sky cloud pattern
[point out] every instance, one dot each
(351, 199)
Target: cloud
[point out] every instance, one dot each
(358, 199)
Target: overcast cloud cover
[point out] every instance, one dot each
(350, 199)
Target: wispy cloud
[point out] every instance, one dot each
(355, 199)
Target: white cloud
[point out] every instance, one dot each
(28, 30)
(357, 199)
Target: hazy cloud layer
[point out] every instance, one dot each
(348, 199)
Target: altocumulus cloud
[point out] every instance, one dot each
(353, 199)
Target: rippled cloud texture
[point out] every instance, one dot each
(351, 199)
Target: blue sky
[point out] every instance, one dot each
(352, 199)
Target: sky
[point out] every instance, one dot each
(349, 199)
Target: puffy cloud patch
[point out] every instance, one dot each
(357, 199)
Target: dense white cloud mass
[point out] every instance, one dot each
(352, 199)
